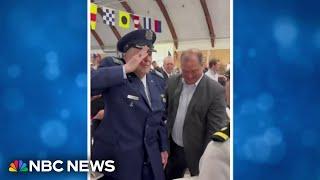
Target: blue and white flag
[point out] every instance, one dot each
(147, 22)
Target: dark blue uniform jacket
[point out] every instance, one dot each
(132, 132)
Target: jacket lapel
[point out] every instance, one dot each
(138, 86)
(196, 94)
(176, 96)
(153, 92)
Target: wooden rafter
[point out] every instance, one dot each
(116, 32)
(169, 22)
(98, 39)
(209, 21)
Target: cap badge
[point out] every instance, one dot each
(149, 35)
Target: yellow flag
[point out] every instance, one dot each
(93, 15)
(124, 19)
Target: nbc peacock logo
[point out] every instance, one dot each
(18, 166)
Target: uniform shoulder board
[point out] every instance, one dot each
(222, 135)
(117, 61)
(158, 73)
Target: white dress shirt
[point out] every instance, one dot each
(169, 75)
(146, 90)
(212, 75)
(144, 82)
(185, 98)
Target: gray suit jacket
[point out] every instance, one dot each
(206, 114)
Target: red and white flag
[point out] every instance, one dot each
(136, 21)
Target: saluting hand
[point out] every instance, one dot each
(99, 115)
(134, 62)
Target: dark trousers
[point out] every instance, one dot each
(177, 164)
(147, 173)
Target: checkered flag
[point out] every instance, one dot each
(108, 16)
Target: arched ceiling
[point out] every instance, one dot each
(187, 17)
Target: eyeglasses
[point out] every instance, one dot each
(149, 51)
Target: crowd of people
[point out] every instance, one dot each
(156, 122)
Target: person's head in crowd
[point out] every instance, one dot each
(144, 66)
(98, 59)
(92, 62)
(177, 70)
(214, 65)
(191, 65)
(168, 64)
(155, 64)
(132, 43)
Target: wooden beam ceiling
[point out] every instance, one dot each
(209, 21)
(169, 22)
(98, 39)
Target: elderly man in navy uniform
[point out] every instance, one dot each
(133, 133)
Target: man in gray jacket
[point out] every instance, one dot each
(196, 109)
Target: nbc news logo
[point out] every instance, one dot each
(59, 166)
(18, 166)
